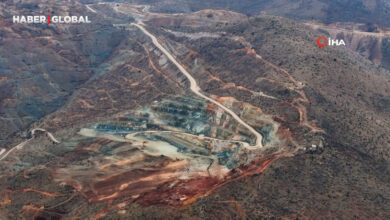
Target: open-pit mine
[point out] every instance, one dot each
(175, 110)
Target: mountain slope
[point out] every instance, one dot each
(135, 142)
(328, 11)
(42, 65)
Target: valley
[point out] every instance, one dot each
(162, 111)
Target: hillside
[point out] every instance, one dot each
(41, 66)
(205, 115)
(327, 11)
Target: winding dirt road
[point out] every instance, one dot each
(196, 89)
(21, 145)
(50, 135)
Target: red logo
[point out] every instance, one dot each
(325, 41)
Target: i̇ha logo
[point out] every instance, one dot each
(323, 42)
(40, 19)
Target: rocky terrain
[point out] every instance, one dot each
(327, 11)
(43, 65)
(369, 40)
(122, 131)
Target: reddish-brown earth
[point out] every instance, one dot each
(253, 66)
